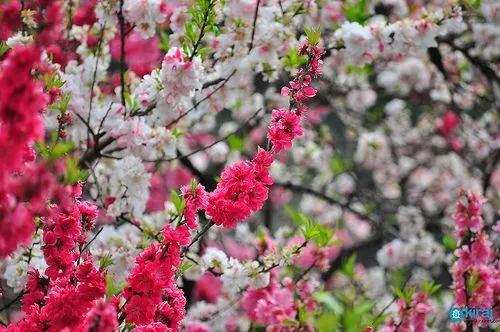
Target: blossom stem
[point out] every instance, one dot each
(205, 229)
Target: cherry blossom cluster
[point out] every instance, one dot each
(379, 39)
(412, 316)
(476, 271)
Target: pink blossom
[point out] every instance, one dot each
(207, 288)
(102, 317)
(138, 61)
(285, 126)
(197, 327)
(196, 199)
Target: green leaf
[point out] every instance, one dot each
(73, 173)
(113, 288)
(216, 30)
(165, 41)
(473, 4)
(313, 34)
(355, 12)
(178, 201)
(186, 266)
(62, 103)
(366, 70)
(324, 236)
(399, 277)
(449, 243)
(473, 283)
(297, 217)
(348, 268)
(105, 262)
(289, 323)
(430, 288)
(303, 315)
(398, 292)
(44, 152)
(293, 59)
(308, 229)
(329, 301)
(61, 149)
(3, 47)
(236, 143)
(204, 51)
(327, 322)
(340, 165)
(363, 308)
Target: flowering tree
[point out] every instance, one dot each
(248, 165)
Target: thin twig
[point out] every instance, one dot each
(208, 96)
(94, 74)
(394, 299)
(305, 272)
(206, 147)
(254, 25)
(121, 21)
(205, 229)
(202, 30)
(9, 304)
(331, 200)
(90, 242)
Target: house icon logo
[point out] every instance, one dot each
(455, 314)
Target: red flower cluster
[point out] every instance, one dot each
(61, 304)
(61, 232)
(66, 298)
(154, 303)
(102, 317)
(285, 125)
(475, 259)
(21, 101)
(196, 199)
(11, 18)
(241, 191)
(244, 185)
(468, 215)
(284, 128)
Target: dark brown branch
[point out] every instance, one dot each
(331, 200)
(13, 301)
(482, 65)
(254, 26)
(95, 152)
(305, 272)
(121, 22)
(94, 75)
(198, 235)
